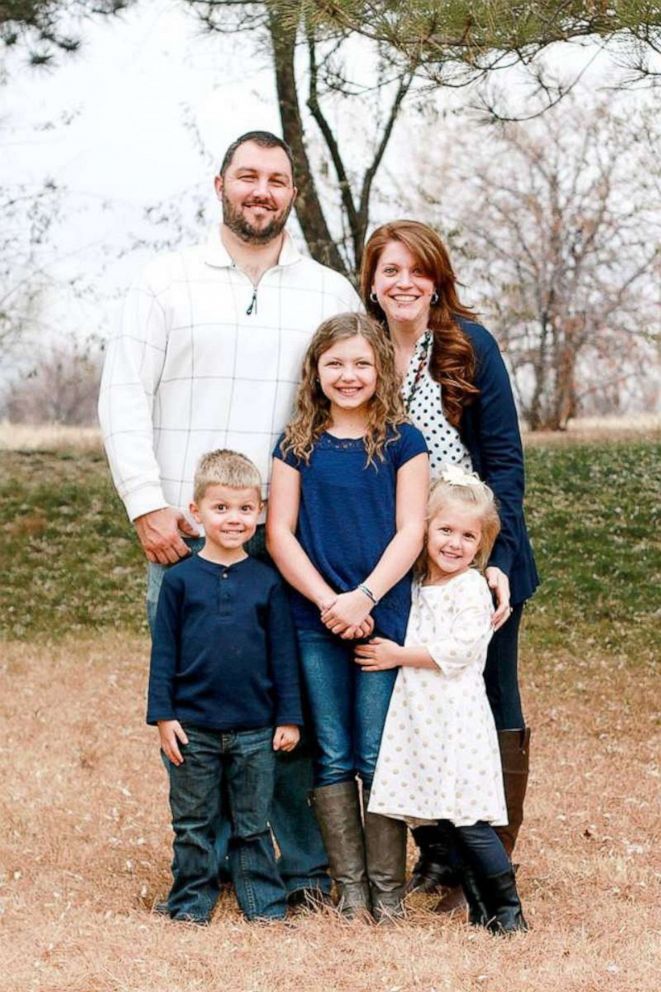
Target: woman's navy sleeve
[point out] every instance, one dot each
(501, 451)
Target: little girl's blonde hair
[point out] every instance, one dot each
(312, 409)
(466, 490)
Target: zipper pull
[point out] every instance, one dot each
(253, 303)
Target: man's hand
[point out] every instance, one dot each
(160, 537)
(170, 733)
(286, 737)
(378, 655)
(500, 587)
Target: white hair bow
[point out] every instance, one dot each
(456, 476)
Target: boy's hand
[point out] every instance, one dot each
(170, 733)
(286, 737)
(378, 654)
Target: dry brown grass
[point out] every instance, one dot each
(85, 851)
(55, 437)
(48, 437)
(592, 430)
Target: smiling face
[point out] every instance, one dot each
(347, 374)
(257, 192)
(453, 540)
(229, 517)
(402, 288)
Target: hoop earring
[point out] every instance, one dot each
(373, 297)
(434, 298)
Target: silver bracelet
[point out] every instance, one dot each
(368, 592)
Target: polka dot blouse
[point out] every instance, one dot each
(422, 395)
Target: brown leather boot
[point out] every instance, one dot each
(514, 754)
(453, 901)
(337, 808)
(385, 852)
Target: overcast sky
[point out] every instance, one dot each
(109, 124)
(140, 116)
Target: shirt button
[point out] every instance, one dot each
(225, 575)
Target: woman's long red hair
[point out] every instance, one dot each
(452, 362)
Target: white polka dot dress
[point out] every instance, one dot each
(439, 756)
(422, 395)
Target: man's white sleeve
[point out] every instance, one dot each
(131, 375)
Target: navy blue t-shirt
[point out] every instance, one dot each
(224, 653)
(347, 518)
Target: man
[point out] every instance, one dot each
(208, 356)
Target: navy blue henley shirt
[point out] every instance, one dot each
(224, 652)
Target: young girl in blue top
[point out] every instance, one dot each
(345, 523)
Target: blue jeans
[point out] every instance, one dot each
(241, 767)
(303, 862)
(348, 705)
(483, 848)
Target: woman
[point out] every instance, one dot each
(457, 392)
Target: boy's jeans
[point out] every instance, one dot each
(303, 862)
(241, 766)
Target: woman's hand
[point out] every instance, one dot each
(346, 616)
(378, 655)
(500, 586)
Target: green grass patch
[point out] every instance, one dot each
(71, 561)
(593, 514)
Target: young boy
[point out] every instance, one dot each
(223, 674)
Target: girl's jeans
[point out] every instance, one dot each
(241, 766)
(483, 849)
(348, 706)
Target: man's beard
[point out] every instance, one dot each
(243, 229)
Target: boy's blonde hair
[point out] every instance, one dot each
(225, 468)
(466, 490)
(312, 407)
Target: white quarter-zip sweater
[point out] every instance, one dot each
(205, 360)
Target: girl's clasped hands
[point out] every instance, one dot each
(348, 616)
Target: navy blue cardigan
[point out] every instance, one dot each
(490, 430)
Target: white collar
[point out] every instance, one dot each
(216, 253)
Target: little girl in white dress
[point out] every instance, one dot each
(439, 759)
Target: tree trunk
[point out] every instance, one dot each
(565, 398)
(284, 29)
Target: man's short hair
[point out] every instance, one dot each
(265, 139)
(225, 468)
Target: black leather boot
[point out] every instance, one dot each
(471, 883)
(503, 903)
(432, 871)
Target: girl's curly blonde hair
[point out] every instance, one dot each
(312, 409)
